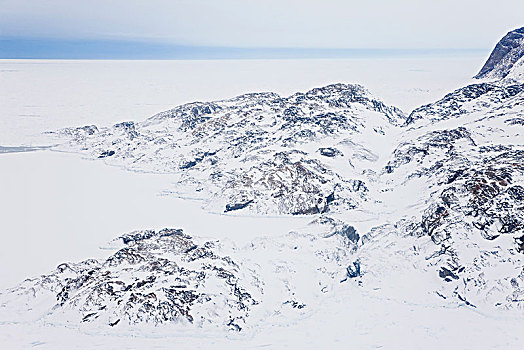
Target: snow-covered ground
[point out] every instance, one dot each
(59, 207)
(58, 200)
(366, 321)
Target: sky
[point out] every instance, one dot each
(333, 24)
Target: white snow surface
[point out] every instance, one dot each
(60, 206)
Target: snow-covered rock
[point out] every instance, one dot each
(506, 55)
(473, 209)
(259, 152)
(154, 277)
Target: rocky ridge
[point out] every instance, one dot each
(258, 152)
(506, 54)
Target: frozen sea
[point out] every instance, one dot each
(57, 207)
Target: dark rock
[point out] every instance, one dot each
(515, 121)
(516, 192)
(308, 211)
(447, 274)
(112, 324)
(88, 317)
(188, 164)
(350, 233)
(106, 154)
(353, 271)
(330, 198)
(89, 129)
(329, 152)
(505, 54)
(237, 206)
(520, 244)
(128, 128)
(295, 304)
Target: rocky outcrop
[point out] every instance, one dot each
(475, 98)
(253, 149)
(474, 172)
(508, 51)
(155, 277)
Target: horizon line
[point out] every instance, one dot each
(39, 48)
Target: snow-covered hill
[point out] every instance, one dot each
(467, 150)
(156, 277)
(426, 208)
(260, 152)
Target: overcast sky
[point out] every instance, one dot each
(269, 23)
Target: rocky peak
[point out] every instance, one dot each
(508, 51)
